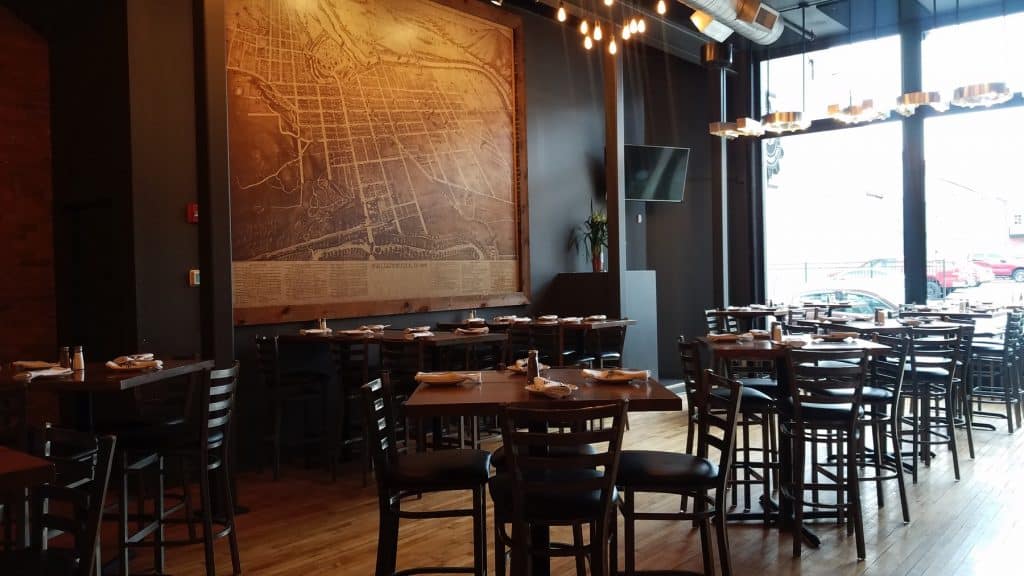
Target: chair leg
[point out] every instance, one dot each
(577, 542)
(898, 455)
(878, 439)
(951, 431)
(204, 496)
(187, 499)
(387, 539)
(701, 510)
(766, 465)
(598, 548)
(158, 517)
(629, 531)
(479, 532)
(122, 518)
(853, 481)
(229, 510)
(276, 440)
(499, 548)
(724, 560)
(798, 493)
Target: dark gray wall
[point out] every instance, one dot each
(674, 239)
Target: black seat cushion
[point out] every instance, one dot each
(750, 398)
(165, 437)
(557, 507)
(441, 470)
(668, 470)
(769, 386)
(928, 373)
(498, 459)
(870, 394)
(815, 412)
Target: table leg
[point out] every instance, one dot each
(540, 536)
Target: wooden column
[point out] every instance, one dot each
(719, 189)
(915, 250)
(615, 184)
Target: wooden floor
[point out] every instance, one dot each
(303, 524)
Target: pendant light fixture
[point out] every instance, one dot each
(749, 127)
(791, 121)
(598, 35)
(908, 103)
(661, 8)
(985, 93)
(562, 15)
(725, 130)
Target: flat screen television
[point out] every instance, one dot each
(655, 173)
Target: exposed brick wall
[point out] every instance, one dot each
(27, 299)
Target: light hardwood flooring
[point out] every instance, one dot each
(304, 524)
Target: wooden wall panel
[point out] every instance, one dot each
(27, 301)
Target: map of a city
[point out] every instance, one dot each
(372, 151)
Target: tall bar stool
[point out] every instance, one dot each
(814, 413)
(285, 387)
(408, 475)
(930, 388)
(352, 366)
(205, 445)
(717, 323)
(607, 345)
(718, 402)
(997, 378)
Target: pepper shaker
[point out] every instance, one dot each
(65, 357)
(532, 366)
(78, 360)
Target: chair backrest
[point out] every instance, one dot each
(816, 374)
(267, 358)
(888, 369)
(788, 328)
(545, 338)
(380, 427)
(612, 339)
(352, 363)
(794, 314)
(716, 422)
(934, 348)
(73, 503)
(526, 432)
(718, 323)
(693, 372)
(218, 404)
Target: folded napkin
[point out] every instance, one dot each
(473, 331)
(595, 318)
(616, 374)
(722, 337)
(22, 365)
(374, 327)
(551, 388)
(520, 365)
(447, 377)
(503, 319)
(314, 331)
(135, 362)
(521, 320)
(415, 335)
(418, 329)
(571, 320)
(760, 334)
(547, 318)
(358, 332)
(837, 335)
(475, 321)
(50, 372)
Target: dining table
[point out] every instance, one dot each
(491, 390)
(890, 326)
(768, 350)
(746, 315)
(97, 379)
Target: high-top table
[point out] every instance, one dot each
(502, 388)
(746, 315)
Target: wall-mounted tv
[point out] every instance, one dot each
(655, 173)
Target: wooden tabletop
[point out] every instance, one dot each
(768, 350)
(748, 312)
(98, 378)
(938, 313)
(19, 470)
(891, 325)
(441, 338)
(828, 305)
(503, 388)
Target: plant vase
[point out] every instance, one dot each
(597, 260)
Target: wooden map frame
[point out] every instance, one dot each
(277, 314)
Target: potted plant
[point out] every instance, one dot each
(592, 234)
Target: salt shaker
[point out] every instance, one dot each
(879, 316)
(532, 366)
(65, 357)
(777, 331)
(78, 360)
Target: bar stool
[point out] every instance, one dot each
(718, 402)
(351, 362)
(607, 345)
(814, 413)
(292, 386)
(400, 477)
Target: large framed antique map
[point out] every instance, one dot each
(377, 157)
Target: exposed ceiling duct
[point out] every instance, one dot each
(751, 19)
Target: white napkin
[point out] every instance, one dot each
(418, 329)
(503, 319)
(616, 374)
(474, 321)
(447, 377)
(357, 332)
(314, 331)
(551, 388)
(374, 327)
(547, 318)
(51, 372)
(21, 365)
(595, 318)
(571, 320)
(135, 362)
(521, 320)
(473, 331)
(415, 335)
(722, 337)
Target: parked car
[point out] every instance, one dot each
(981, 274)
(943, 275)
(861, 301)
(1001, 266)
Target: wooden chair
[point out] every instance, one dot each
(72, 506)
(606, 346)
(817, 413)
(548, 341)
(715, 322)
(290, 386)
(352, 368)
(403, 476)
(543, 488)
(718, 402)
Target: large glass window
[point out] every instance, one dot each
(839, 75)
(974, 206)
(833, 209)
(987, 50)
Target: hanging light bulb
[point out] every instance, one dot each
(597, 32)
(661, 7)
(641, 26)
(588, 43)
(612, 47)
(633, 26)
(609, 2)
(625, 32)
(584, 28)
(562, 16)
